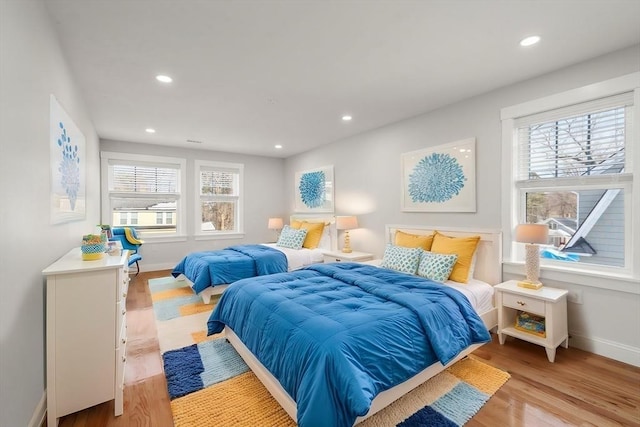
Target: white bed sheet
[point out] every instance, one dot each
(479, 293)
(298, 258)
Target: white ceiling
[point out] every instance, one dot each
(251, 74)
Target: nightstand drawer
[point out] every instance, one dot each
(524, 303)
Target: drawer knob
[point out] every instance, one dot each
(124, 340)
(124, 358)
(124, 295)
(520, 303)
(123, 311)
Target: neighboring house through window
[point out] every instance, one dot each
(570, 164)
(139, 189)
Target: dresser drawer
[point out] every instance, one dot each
(123, 280)
(524, 303)
(121, 320)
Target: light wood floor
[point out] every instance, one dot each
(580, 388)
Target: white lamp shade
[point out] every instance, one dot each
(346, 222)
(275, 224)
(532, 233)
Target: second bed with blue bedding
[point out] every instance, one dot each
(336, 335)
(210, 268)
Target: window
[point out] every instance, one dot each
(219, 198)
(572, 169)
(140, 190)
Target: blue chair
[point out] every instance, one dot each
(129, 240)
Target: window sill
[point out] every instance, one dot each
(219, 236)
(592, 278)
(164, 239)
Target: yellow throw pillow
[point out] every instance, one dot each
(464, 247)
(314, 232)
(413, 240)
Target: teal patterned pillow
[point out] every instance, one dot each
(401, 259)
(435, 266)
(291, 238)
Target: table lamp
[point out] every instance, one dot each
(275, 224)
(532, 235)
(346, 223)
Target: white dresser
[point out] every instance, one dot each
(86, 333)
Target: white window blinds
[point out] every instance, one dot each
(143, 179)
(583, 140)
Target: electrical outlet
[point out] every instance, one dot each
(575, 296)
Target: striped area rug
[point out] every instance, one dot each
(210, 385)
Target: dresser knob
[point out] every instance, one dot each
(124, 340)
(124, 359)
(520, 303)
(123, 311)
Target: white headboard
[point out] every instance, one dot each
(488, 255)
(330, 226)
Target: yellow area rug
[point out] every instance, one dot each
(210, 385)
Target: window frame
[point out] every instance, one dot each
(238, 233)
(145, 160)
(619, 278)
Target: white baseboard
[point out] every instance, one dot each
(37, 420)
(610, 349)
(156, 267)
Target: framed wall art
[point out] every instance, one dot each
(314, 190)
(67, 165)
(440, 178)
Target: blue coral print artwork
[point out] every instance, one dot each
(312, 189)
(67, 166)
(436, 178)
(440, 178)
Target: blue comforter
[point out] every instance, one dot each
(210, 268)
(336, 335)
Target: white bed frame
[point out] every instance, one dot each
(330, 221)
(488, 268)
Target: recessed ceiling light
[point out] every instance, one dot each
(346, 118)
(278, 146)
(150, 130)
(164, 79)
(529, 41)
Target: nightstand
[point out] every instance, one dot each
(339, 256)
(550, 303)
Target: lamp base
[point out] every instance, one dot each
(529, 285)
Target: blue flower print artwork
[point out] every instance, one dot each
(440, 178)
(69, 166)
(312, 189)
(436, 178)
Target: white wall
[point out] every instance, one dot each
(367, 183)
(263, 198)
(32, 66)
